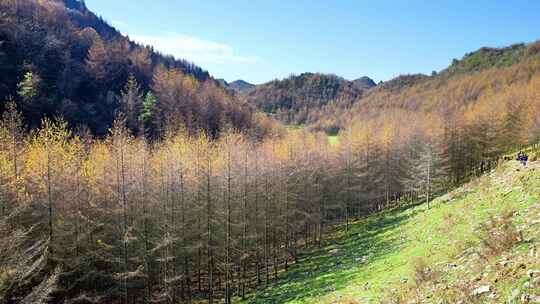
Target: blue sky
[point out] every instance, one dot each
(262, 40)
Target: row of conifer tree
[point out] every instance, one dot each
(191, 216)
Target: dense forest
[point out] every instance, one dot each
(74, 65)
(305, 98)
(329, 103)
(127, 176)
(481, 83)
(237, 86)
(191, 217)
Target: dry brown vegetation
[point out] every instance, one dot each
(191, 216)
(499, 234)
(194, 216)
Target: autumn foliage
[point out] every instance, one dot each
(195, 216)
(187, 193)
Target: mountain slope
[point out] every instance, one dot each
(241, 85)
(299, 98)
(327, 102)
(364, 83)
(480, 81)
(237, 86)
(77, 66)
(487, 57)
(416, 255)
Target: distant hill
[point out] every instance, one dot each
(222, 82)
(488, 57)
(402, 81)
(299, 99)
(480, 77)
(240, 86)
(327, 101)
(364, 83)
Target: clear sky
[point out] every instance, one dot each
(260, 40)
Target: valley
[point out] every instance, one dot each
(130, 174)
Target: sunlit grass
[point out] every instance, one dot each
(377, 256)
(333, 140)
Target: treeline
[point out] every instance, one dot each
(74, 65)
(176, 100)
(328, 103)
(486, 58)
(125, 220)
(479, 75)
(299, 98)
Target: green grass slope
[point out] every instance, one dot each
(477, 244)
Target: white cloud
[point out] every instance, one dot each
(194, 49)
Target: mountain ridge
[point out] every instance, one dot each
(297, 99)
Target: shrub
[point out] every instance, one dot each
(534, 157)
(423, 273)
(499, 234)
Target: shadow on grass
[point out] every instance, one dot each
(319, 272)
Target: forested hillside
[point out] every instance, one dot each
(303, 99)
(237, 86)
(488, 57)
(486, 83)
(329, 103)
(364, 83)
(57, 58)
